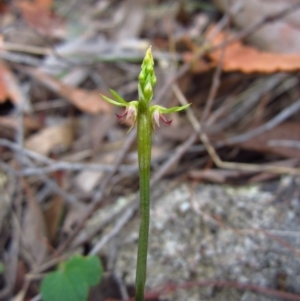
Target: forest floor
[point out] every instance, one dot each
(225, 201)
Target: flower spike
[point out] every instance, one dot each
(147, 78)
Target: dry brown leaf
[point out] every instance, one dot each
(29, 122)
(52, 215)
(34, 231)
(22, 270)
(247, 59)
(286, 131)
(87, 180)
(87, 101)
(38, 15)
(74, 215)
(46, 4)
(3, 7)
(36, 4)
(280, 35)
(197, 66)
(51, 137)
(9, 87)
(215, 175)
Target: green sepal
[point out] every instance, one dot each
(142, 77)
(153, 80)
(121, 102)
(163, 110)
(118, 97)
(114, 102)
(148, 91)
(141, 94)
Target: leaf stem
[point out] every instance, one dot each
(144, 156)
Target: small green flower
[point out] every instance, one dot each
(131, 110)
(147, 81)
(157, 113)
(131, 107)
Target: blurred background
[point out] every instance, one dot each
(225, 175)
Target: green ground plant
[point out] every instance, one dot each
(146, 117)
(72, 280)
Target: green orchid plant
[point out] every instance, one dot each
(146, 117)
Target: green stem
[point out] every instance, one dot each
(144, 155)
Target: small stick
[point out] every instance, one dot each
(232, 165)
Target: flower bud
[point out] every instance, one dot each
(147, 78)
(148, 91)
(149, 69)
(153, 80)
(142, 78)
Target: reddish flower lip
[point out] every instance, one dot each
(122, 116)
(128, 113)
(157, 116)
(165, 120)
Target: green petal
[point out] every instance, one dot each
(170, 110)
(114, 102)
(141, 93)
(118, 97)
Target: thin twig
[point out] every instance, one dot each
(286, 85)
(284, 143)
(57, 189)
(231, 165)
(68, 166)
(13, 254)
(20, 59)
(215, 85)
(122, 286)
(98, 197)
(15, 147)
(278, 119)
(252, 95)
(54, 165)
(121, 222)
(25, 48)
